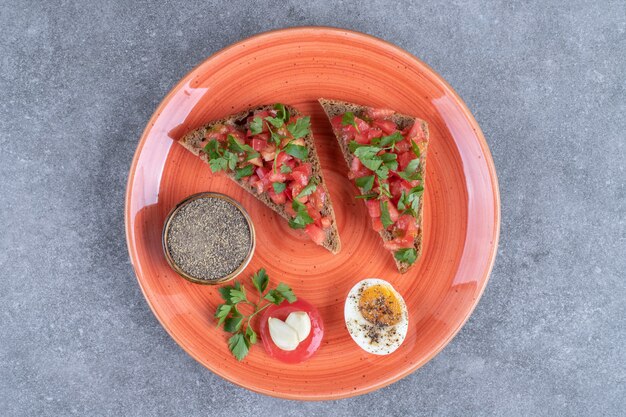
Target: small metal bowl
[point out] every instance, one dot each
(168, 255)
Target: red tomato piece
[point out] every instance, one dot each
(396, 244)
(336, 123)
(318, 198)
(377, 225)
(315, 215)
(362, 125)
(397, 186)
(307, 347)
(302, 173)
(393, 211)
(416, 133)
(282, 158)
(316, 234)
(289, 210)
(373, 113)
(296, 188)
(406, 227)
(277, 176)
(259, 143)
(373, 207)
(373, 133)
(361, 138)
(403, 146)
(279, 198)
(404, 159)
(262, 172)
(387, 126)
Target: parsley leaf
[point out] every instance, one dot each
(391, 140)
(348, 120)
(415, 148)
(309, 189)
(281, 112)
(302, 218)
(256, 126)
(223, 310)
(297, 151)
(275, 121)
(233, 324)
(286, 292)
(365, 183)
(244, 172)
(279, 187)
(238, 147)
(300, 128)
(239, 347)
(354, 145)
(251, 335)
(237, 295)
(411, 172)
(285, 169)
(385, 218)
(408, 255)
(260, 280)
(369, 196)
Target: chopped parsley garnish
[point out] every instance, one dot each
(279, 187)
(256, 126)
(300, 128)
(348, 120)
(243, 172)
(297, 151)
(309, 189)
(408, 255)
(302, 218)
(385, 218)
(365, 183)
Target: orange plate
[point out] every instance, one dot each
(461, 216)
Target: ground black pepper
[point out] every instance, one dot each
(208, 238)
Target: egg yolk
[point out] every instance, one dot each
(379, 305)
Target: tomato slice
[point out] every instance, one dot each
(373, 113)
(307, 347)
(302, 173)
(373, 208)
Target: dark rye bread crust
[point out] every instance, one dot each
(335, 108)
(192, 140)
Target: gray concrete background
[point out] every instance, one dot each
(545, 80)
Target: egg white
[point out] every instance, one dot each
(391, 337)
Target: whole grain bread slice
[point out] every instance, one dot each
(191, 141)
(334, 108)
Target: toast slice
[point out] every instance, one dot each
(406, 253)
(239, 126)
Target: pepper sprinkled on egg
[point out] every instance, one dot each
(376, 316)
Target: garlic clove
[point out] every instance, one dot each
(301, 323)
(283, 335)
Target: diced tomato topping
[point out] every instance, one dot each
(316, 234)
(296, 188)
(406, 226)
(403, 146)
(373, 133)
(396, 244)
(256, 161)
(302, 173)
(416, 132)
(356, 164)
(259, 143)
(393, 212)
(277, 176)
(373, 113)
(336, 122)
(326, 222)
(314, 213)
(262, 172)
(397, 186)
(362, 125)
(377, 224)
(361, 138)
(318, 198)
(281, 158)
(269, 152)
(289, 210)
(279, 198)
(387, 126)
(404, 159)
(373, 207)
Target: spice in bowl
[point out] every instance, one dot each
(208, 238)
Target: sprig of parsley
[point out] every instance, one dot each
(228, 314)
(302, 217)
(219, 159)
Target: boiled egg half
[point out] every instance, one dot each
(376, 316)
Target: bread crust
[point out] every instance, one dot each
(192, 140)
(334, 108)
